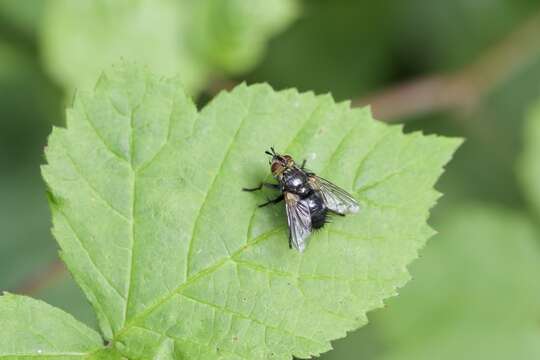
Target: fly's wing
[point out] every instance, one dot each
(334, 197)
(299, 220)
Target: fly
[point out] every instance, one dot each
(309, 199)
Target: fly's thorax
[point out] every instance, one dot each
(295, 180)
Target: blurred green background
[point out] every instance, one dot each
(467, 68)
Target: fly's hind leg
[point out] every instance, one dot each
(272, 201)
(268, 185)
(335, 213)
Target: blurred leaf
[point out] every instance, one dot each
(339, 46)
(26, 109)
(352, 48)
(475, 293)
(427, 38)
(484, 167)
(529, 164)
(194, 38)
(31, 329)
(24, 16)
(80, 38)
(26, 245)
(141, 185)
(28, 103)
(231, 35)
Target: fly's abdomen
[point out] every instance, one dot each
(317, 209)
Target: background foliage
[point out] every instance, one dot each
(475, 285)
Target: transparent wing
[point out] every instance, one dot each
(299, 220)
(334, 197)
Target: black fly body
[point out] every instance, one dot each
(309, 199)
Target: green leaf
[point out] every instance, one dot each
(31, 329)
(179, 263)
(231, 35)
(64, 293)
(23, 16)
(529, 166)
(475, 293)
(194, 38)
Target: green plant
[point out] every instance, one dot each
(197, 39)
(179, 263)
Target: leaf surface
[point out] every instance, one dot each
(31, 329)
(179, 263)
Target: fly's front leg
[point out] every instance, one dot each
(272, 201)
(268, 185)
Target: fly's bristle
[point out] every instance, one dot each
(268, 153)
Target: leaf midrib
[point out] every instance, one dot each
(133, 199)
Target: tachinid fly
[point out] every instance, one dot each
(309, 199)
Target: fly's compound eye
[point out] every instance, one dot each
(276, 167)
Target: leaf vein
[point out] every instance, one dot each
(299, 277)
(242, 316)
(387, 177)
(99, 136)
(94, 189)
(92, 261)
(369, 152)
(165, 143)
(133, 202)
(191, 341)
(210, 189)
(209, 270)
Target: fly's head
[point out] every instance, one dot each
(279, 163)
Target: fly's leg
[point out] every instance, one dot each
(272, 201)
(303, 164)
(253, 189)
(336, 213)
(268, 185)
